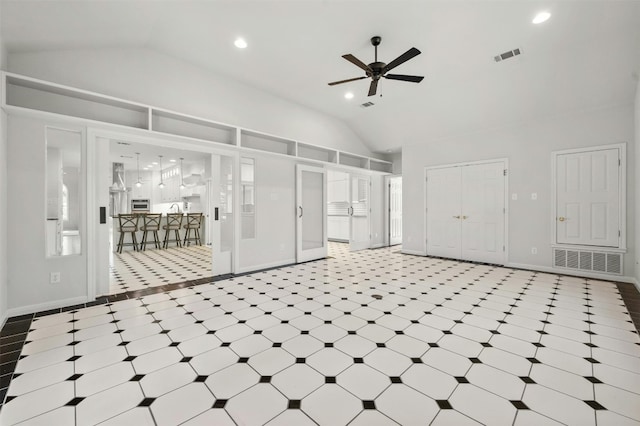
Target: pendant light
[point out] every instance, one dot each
(138, 183)
(161, 180)
(182, 186)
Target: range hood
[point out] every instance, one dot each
(194, 179)
(118, 184)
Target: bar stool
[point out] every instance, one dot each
(151, 224)
(174, 223)
(128, 224)
(193, 223)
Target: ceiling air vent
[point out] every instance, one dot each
(507, 55)
(367, 104)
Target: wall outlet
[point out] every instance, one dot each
(534, 195)
(534, 250)
(54, 278)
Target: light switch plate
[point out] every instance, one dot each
(534, 195)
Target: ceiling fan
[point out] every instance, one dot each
(376, 69)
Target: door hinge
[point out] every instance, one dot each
(619, 233)
(619, 162)
(502, 248)
(504, 210)
(504, 172)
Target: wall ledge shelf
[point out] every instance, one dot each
(25, 95)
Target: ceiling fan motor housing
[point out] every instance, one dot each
(377, 68)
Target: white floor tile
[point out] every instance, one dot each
(182, 404)
(406, 406)
(109, 403)
(265, 402)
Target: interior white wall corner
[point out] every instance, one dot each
(3, 193)
(637, 179)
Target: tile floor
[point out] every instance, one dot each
(372, 337)
(138, 270)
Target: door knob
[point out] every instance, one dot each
(464, 217)
(562, 219)
(456, 217)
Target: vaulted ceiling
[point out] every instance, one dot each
(585, 56)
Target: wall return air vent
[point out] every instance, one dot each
(367, 104)
(586, 260)
(506, 55)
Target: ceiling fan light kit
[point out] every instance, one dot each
(377, 69)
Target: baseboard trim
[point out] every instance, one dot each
(412, 252)
(562, 271)
(257, 268)
(32, 309)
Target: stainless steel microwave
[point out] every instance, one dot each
(140, 206)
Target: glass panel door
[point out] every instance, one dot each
(221, 196)
(311, 230)
(359, 213)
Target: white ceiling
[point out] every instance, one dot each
(121, 151)
(583, 57)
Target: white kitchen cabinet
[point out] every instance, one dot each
(338, 228)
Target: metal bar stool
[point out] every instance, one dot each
(174, 223)
(151, 224)
(193, 223)
(128, 224)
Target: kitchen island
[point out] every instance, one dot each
(115, 233)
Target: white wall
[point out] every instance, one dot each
(28, 277)
(637, 181)
(528, 148)
(3, 195)
(149, 77)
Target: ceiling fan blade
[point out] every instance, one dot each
(411, 53)
(373, 87)
(357, 62)
(401, 77)
(346, 81)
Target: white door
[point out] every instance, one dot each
(587, 198)
(311, 198)
(359, 213)
(482, 212)
(443, 212)
(395, 210)
(220, 192)
(466, 212)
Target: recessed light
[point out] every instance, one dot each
(155, 163)
(348, 95)
(150, 166)
(240, 43)
(541, 17)
(172, 161)
(145, 168)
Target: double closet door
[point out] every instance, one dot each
(466, 212)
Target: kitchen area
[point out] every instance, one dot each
(149, 179)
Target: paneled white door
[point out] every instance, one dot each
(588, 198)
(443, 212)
(482, 212)
(466, 212)
(359, 213)
(395, 210)
(311, 222)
